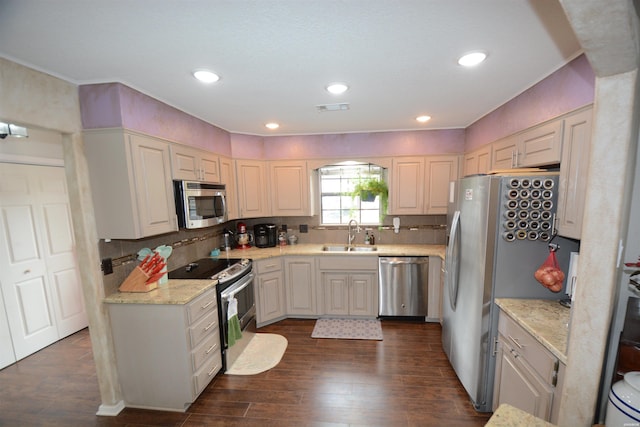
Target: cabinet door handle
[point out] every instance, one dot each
(209, 349)
(212, 371)
(516, 342)
(204, 307)
(210, 325)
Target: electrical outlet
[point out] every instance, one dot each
(106, 266)
(304, 228)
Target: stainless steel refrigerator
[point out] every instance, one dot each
(498, 236)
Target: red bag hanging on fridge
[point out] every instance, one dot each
(549, 273)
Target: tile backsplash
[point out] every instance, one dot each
(189, 245)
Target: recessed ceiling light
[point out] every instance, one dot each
(272, 126)
(337, 88)
(471, 59)
(423, 119)
(206, 76)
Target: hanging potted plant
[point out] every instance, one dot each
(367, 189)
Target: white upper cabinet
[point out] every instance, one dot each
(478, 161)
(420, 185)
(253, 189)
(573, 173)
(541, 145)
(192, 164)
(290, 188)
(131, 184)
(407, 186)
(537, 146)
(228, 178)
(439, 172)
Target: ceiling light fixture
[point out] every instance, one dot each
(272, 126)
(9, 129)
(472, 59)
(423, 119)
(206, 76)
(337, 88)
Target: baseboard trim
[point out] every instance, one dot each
(110, 410)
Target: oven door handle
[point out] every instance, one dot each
(231, 291)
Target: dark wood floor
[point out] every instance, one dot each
(404, 380)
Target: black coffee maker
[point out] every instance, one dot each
(265, 235)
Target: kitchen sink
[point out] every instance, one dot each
(335, 248)
(363, 249)
(342, 248)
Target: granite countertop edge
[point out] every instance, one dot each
(546, 320)
(316, 249)
(184, 291)
(173, 292)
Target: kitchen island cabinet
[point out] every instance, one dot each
(131, 184)
(167, 350)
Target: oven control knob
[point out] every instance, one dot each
(244, 261)
(222, 275)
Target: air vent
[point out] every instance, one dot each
(332, 107)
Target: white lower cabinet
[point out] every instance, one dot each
(300, 284)
(270, 297)
(527, 375)
(349, 285)
(166, 354)
(349, 294)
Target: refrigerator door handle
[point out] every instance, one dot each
(453, 260)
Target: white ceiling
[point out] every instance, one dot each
(276, 56)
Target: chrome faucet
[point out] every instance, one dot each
(351, 235)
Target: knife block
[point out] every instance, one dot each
(137, 282)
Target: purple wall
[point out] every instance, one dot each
(365, 144)
(115, 105)
(571, 87)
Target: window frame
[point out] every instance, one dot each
(372, 169)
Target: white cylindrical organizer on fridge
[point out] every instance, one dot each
(623, 408)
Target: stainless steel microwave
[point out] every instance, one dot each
(200, 204)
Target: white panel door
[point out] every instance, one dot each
(7, 355)
(38, 273)
(59, 251)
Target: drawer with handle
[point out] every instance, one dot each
(202, 305)
(268, 265)
(208, 348)
(526, 346)
(203, 327)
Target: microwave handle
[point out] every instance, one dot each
(230, 292)
(224, 207)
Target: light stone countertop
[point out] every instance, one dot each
(174, 292)
(509, 416)
(316, 249)
(183, 291)
(546, 320)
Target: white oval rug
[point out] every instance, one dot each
(263, 352)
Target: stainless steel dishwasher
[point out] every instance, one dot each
(403, 286)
